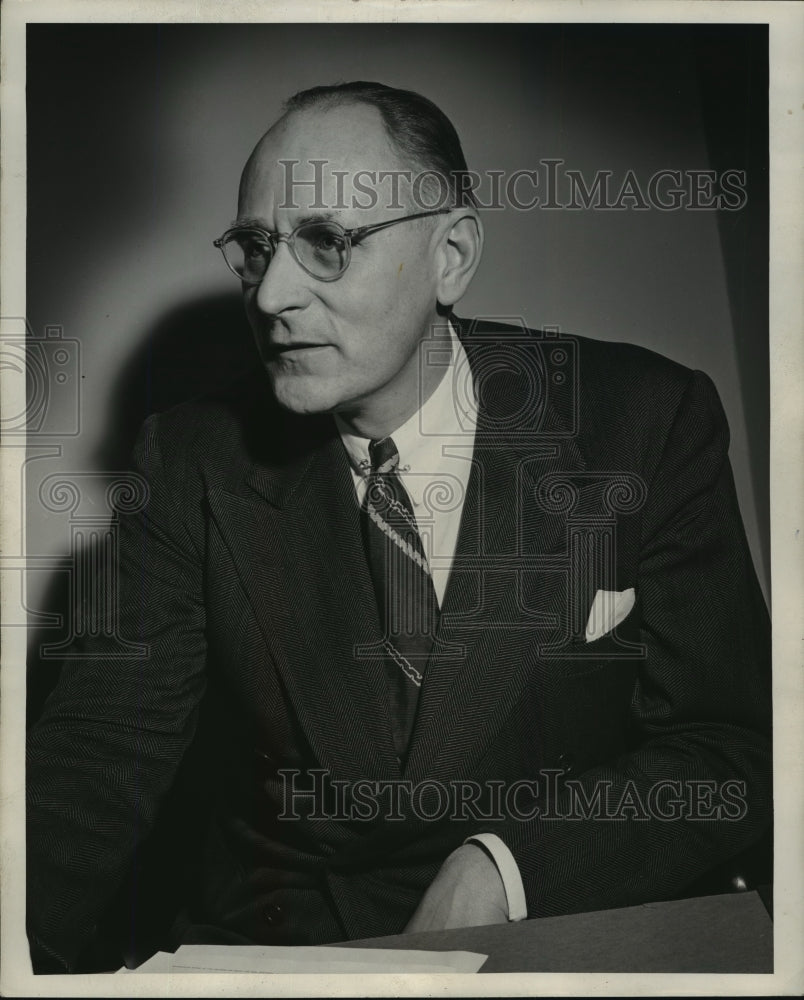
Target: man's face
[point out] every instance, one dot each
(350, 345)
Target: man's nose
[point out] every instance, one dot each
(284, 284)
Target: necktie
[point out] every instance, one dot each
(406, 598)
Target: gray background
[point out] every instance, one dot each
(137, 135)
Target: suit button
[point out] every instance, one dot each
(273, 914)
(565, 761)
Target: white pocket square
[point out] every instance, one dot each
(609, 608)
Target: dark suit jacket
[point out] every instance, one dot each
(596, 466)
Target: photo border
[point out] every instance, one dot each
(786, 97)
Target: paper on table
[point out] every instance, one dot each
(281, 959)
(162, 961)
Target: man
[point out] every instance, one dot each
(411, 561)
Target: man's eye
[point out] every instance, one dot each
(255, 249)
(327, 241)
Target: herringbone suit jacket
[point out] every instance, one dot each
(595, 467)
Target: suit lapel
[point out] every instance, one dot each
(471, 683)
(295, 537)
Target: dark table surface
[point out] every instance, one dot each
(710, 934)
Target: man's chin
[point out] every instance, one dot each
(302, 395)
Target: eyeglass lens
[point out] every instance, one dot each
(320, 247)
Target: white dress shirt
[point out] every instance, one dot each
(435, 448)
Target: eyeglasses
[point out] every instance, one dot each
(322, 248)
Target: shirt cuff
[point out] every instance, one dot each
(509, 873)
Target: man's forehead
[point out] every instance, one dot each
(322, 159)
(334, 129)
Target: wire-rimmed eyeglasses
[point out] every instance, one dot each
(323, 248)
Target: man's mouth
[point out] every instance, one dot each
(279, 350)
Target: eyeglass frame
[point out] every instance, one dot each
(350, 235)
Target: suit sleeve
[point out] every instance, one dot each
(115, 728)
(700, 710)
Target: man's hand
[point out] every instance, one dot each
(467, 892)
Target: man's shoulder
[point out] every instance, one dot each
(627, 385)
(215, 420)
(607, 367)
(611, 376)
(620, 399)
(225, 431)
(600, 366)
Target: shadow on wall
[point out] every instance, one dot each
(196, 348)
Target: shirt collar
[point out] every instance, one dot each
(420, 439)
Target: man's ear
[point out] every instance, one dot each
(459, 254)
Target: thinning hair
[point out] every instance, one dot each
(418, 130)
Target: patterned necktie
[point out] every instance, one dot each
(406, 598)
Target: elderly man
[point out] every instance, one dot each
(457, 620)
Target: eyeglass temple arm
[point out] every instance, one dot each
(365, 230)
